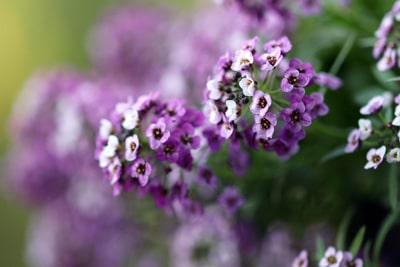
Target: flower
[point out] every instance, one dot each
(396, 120)
(264, 125)
(141, 170)
(131, 147)
(293, 79)
(230, 200)
(375, 157)
(374, 105)
(233, 111)
(106, 128)
(131, 118)
(206, 177)
(388, 60)
(157, 133)
(332, 258)
(248, 86)
(271, 60)
(215, 89)
(349, 261)
(393, 155)
(301, 260)
(242, 59)
(365, 127)
(261, 103)
(108, 151)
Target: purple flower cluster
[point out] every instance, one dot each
(242, 103)
(387, 46)
(147, 145)
(378, 132)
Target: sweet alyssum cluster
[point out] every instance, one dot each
(244, 102)
(380, 131)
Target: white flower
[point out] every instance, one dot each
(393, 155)
(131, 118)
(109, 151)
(212, 111)
(396, 120)
(248, 86)
(365, 127)
(232, 111)
(243, 58)
(114, 170)
(331, 258)
(226, 130)
(375, 157)
(106, 128)
(215, 90)
(131, 147)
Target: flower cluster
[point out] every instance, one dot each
(243, 104)
(388, 43)
(380, 131)
(147, 145)
(332, 258)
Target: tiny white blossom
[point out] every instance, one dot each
(213, 112)
(301, 260)
(332, 258)
(131, 118)
(109, 151)
(232, 111)
(373, 105)
(106, 128)
(375, 157)
(215, 91)
(248, 86)
(243, 58)
(114, 170)
(365, 127)
(131, 147)
(396, 120)
(393, 155)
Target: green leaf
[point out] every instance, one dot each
(383, 76)
(343, 54)
(357, 241)
(337, 152)
(384, 230)
(393, 187)
(342, 232)
(320, 249)
(395, 79)
(366, 254)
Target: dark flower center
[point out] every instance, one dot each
(293, 79)
(206, 174)
(295, 116)
(244, 61)
(186, 139)
(351, 264)
(133, 146)
(265, 124)
(272, 60)
(332, 259)
(141, 169)
(262, 102)
(157, 133)
(376, 158)
(201, 251)
(169, 149)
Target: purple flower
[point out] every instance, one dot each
(388, 60)
(261, 103)
(185, 134)
(264, 126)
(310, 7)
(353, 141)
(385, 27)
(348, 260)
(206, 177)
(230, 200)
(283, 43)
(131, 147)
(271, 60)
(141, 170)
(296, 116)
(227, 129)
(185, 159)
(157, 133)
(288, 136)
(160, 195)
(327, 80)
(169, 151)
(301, 260)
(373, 106)
(294, 79)
(239, 159)
(303, 67)
(379, 47)
(315, 105)
(214, 139)
(179, 191)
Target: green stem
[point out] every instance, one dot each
(393, 187)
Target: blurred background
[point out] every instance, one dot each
(38, 35)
